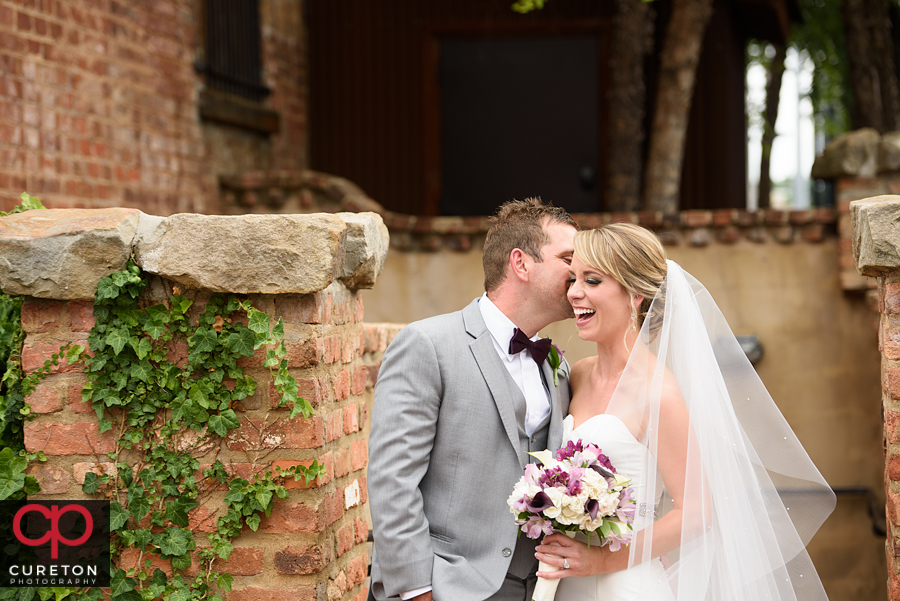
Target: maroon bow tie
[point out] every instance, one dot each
(539, 348)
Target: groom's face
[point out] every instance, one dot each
(553, 271)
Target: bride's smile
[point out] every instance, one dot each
(602, 306)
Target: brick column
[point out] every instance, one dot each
(876, 251)
(313, 545)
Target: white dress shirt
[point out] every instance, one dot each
(524, 371)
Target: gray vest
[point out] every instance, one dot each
(523, 561)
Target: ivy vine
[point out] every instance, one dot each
(166, 413)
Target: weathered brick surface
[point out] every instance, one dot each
(298, 560)
(53, 480)
(36, 353)
(333, 373)
(81, 438)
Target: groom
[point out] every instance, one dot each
(461, 400)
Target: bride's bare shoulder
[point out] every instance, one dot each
(581, 369)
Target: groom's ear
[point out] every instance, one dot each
(520, 264)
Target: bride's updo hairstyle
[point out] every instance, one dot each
(631, 255)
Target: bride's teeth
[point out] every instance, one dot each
(583, 311)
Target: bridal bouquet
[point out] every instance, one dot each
(576, 491)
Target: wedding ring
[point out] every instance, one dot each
(565, 563)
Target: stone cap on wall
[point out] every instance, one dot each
(859, 153)
(63, 253)
(876, 236)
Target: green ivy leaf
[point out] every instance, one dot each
(224, 581)
(258, 322)
(203, 341)
(142, 371)
(118, 516)
(175, 542)
(117, 339)
(223, 422)
(141, 346)
(106, 289)
(120, 584)
(90, 483)
(181, 304)
(242, 342)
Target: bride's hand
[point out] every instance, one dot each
(558, 550)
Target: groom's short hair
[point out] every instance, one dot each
(517, 224)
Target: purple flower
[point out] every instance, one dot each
(569, 450)
(535, 526)
(592, 507)
(539, 503)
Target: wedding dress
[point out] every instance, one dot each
(646, 582)
(752, 497)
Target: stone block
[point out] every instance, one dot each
(246, 254)
(889, 152)
(63, 253)
(876, 239)
(364, 250)
(850, 154)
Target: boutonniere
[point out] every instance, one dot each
(556, 362)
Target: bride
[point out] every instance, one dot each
(727, 498)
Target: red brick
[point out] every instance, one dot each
(314, 390)
(39, 316)
(344, 537)
(253, 593)
(372, 375)
(68, 439)
(363, 491)
(292, 518)
(893, 467)
(349, 346)
(362, 530)
(299, 560)
(54, 480)
(342, 463)
(290, 483)
(892, 379)
(79, 470)
(363, 595)
(331, 349)
(357, 571)
(341, 385)
(45, 398)
(334, 506)
(75, 403)
(132, 558)
(360, 310)
(307, 308)
(359, 451)
(359, 380)
(244, 561)
(81, 315)
(696, 218)
(890, 336)
(305, 354)
(892, 298)
(351, 419)
(295, 433)
(334, 425)
(36, 353)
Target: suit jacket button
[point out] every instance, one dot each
(506, 552)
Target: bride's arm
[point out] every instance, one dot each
(671, 455)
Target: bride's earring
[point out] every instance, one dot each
(634, 316)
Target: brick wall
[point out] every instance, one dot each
(876, 240)
(99, 104)
(313, 545)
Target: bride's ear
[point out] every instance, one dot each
(636, 300)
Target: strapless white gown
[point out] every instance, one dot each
(645, 582)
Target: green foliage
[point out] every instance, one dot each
(821, 37)
(165, 415)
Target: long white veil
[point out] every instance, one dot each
(752, 497)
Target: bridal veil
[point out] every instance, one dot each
(753, 498)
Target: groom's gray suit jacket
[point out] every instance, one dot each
(447, 446)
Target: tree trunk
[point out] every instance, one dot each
(633, 40)
(773, 93)
(677, 73)
(870, 53)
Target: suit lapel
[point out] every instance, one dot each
(495, 374)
